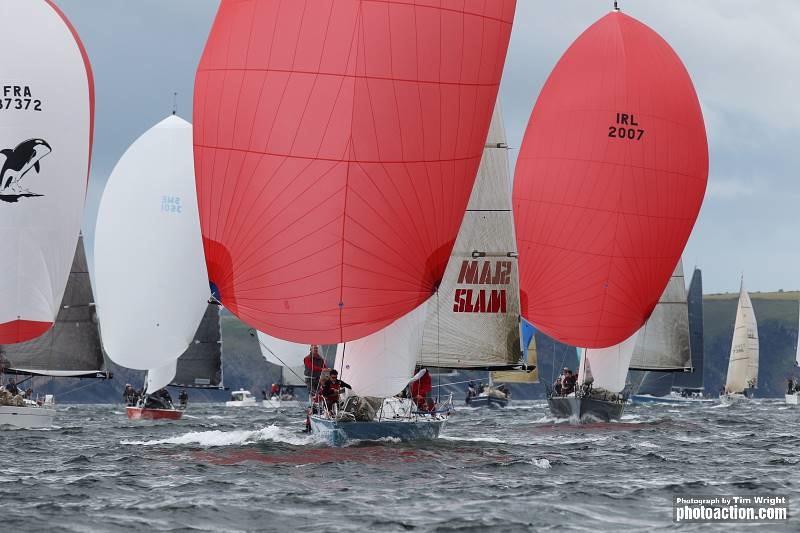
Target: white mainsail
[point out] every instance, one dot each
(474, 320)
(382, 364)
(289, 355)
(663, 342)
(608, 367)
(743, 362)
(45, 143)
(797, 348)
(150, 271)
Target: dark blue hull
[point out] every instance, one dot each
(338, 433)
(486, 401)
(585, 408)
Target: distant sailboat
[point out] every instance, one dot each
(743, 362)
(664, 345)
(70, 349)
(152, 286)
(792, 394)
(351, 141)
(45, 154)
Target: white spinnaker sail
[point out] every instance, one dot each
(150, 271)
(608, 366)
(287, 354)
(381, 364)
(475, 321)
(663, 342)
(743, 362)
(46, 105)
(158, 378)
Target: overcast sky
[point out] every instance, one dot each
(743, 56)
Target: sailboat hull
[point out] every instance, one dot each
(792, 399)
(283, 404)
(139, 413)
(733, 399)
(26, 417)
(585, 408)
(487, 401)
(338, 433)
(672, 400)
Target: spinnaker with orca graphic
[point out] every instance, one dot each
(46, 113)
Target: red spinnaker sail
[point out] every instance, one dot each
(336, 145)
(609, 182)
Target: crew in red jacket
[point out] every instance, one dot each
(314, 364)
(421, 390)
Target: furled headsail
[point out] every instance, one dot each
(474, 320)
(71, 348)
(336, 145)
(47, 105)
(150, 273)
(743, 362)
(200, 366)
(608, 184)
(663, 343)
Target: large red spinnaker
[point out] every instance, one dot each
(336, 145)
(608, 185)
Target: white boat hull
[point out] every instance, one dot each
(26, 417)
(251, 402)
(733, 399)
(792, 399)
(283, 404)
(338, 433)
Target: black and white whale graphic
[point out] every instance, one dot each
(17, 163)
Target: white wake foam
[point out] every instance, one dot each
(544, 464)
(270, 433)
(474, 439)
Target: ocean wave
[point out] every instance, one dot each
(216, 438)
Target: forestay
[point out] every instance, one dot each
(663, 343)
(46, 104)
(474, 320)
(200, 366)
(743, 362)
(382, 364)
(336, 145)
(152, 286)
(71, 348)
(289, 355)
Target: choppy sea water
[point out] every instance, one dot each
(516, 469)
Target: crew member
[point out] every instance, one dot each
(12, 388)
(331, 388)
(420, 391)
(275, 390)
(183, 397)
(314, 365)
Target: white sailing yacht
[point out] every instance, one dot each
(45, 155)
(152, 283)
(792, 394)
(743, 362)
(471, 323)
